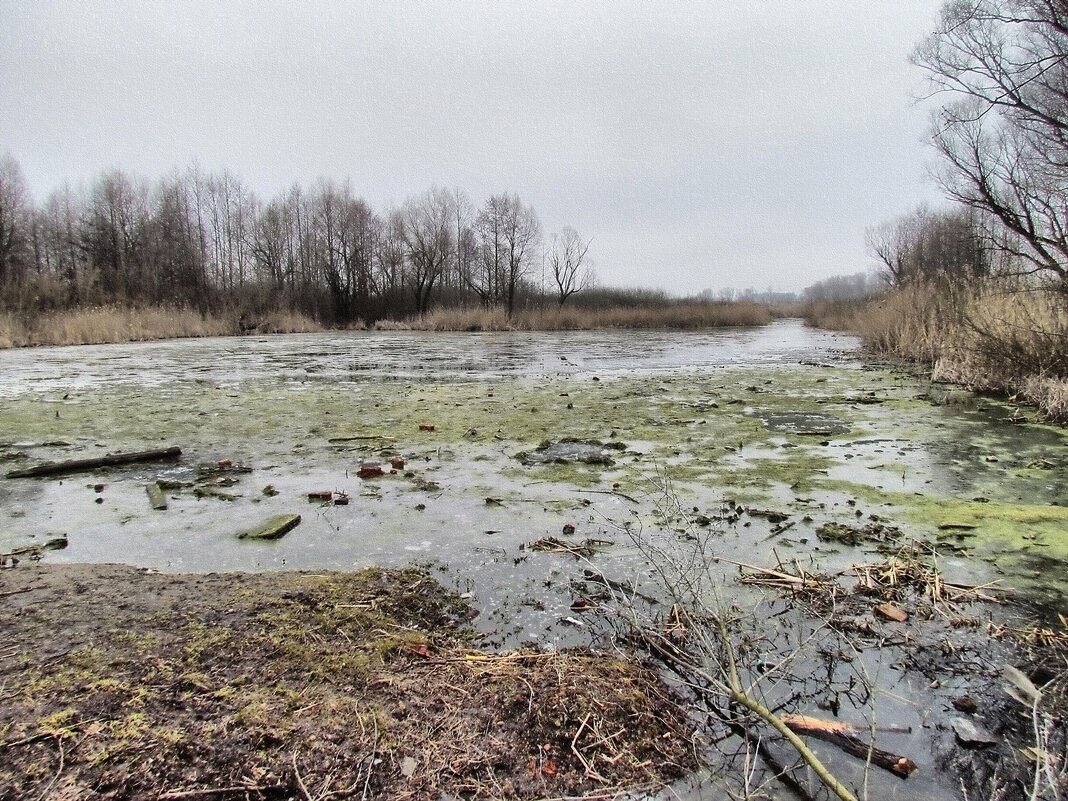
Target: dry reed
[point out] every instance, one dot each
(996, 336)
(108, 324)
(843, 314)
(567, 318)
(113, 324)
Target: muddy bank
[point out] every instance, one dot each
(122, 683)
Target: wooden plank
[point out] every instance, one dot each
(272, 528)
(156, 496)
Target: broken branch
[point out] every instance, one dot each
(109, 460)
(843, 735)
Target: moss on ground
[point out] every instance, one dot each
(148, 684)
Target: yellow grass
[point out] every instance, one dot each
(835, 315)
(995, 336)
(285, 322)
(111, 324)
(910, 323)
(10, 330)
(567, 318)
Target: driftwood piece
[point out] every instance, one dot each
(272, 528)
(844, 736)
(594, 577)
(156, 496)
(555, 545)
(109, 460)
(360, 438)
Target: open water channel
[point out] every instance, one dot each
(737, 445)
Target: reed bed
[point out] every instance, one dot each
(678, 316)
(996, 336)
(114, 324)
(842, 314)
(107, 324)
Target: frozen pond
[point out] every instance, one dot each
(359, 356)
(765, 416)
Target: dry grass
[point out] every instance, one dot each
(282, 321)
(1048, 394)
(994, 337)
(10, 330)
(910, 323)
(567, 318)
(112, 324)
(356, 685)
(836, 315)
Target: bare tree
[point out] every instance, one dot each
(509, 235)
(178, 251)
(270, 245)
(228, 223)
(390, 255)
(59, 254)
(14, 224)
(1003, 130)
(926, 245)
(204, 240)
(466, 248)
(567, 260)
(428, 238)
(892, 244)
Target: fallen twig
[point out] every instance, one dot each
(213, 791)
(359, 438)
(627, 589)
(16, 592)
(590, 772)
(555, 545)
(300, 781)
(615, 493)
(59, 770)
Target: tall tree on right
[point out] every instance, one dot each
(1002, 131)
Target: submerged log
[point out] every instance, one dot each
(843, 735)
(109, 460)
(272, 528)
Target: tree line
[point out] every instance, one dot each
(206, 241)
(1000, 68)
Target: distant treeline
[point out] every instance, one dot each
(205, 241)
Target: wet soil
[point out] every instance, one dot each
(128, 684)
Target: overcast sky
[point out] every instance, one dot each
(700, 144)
